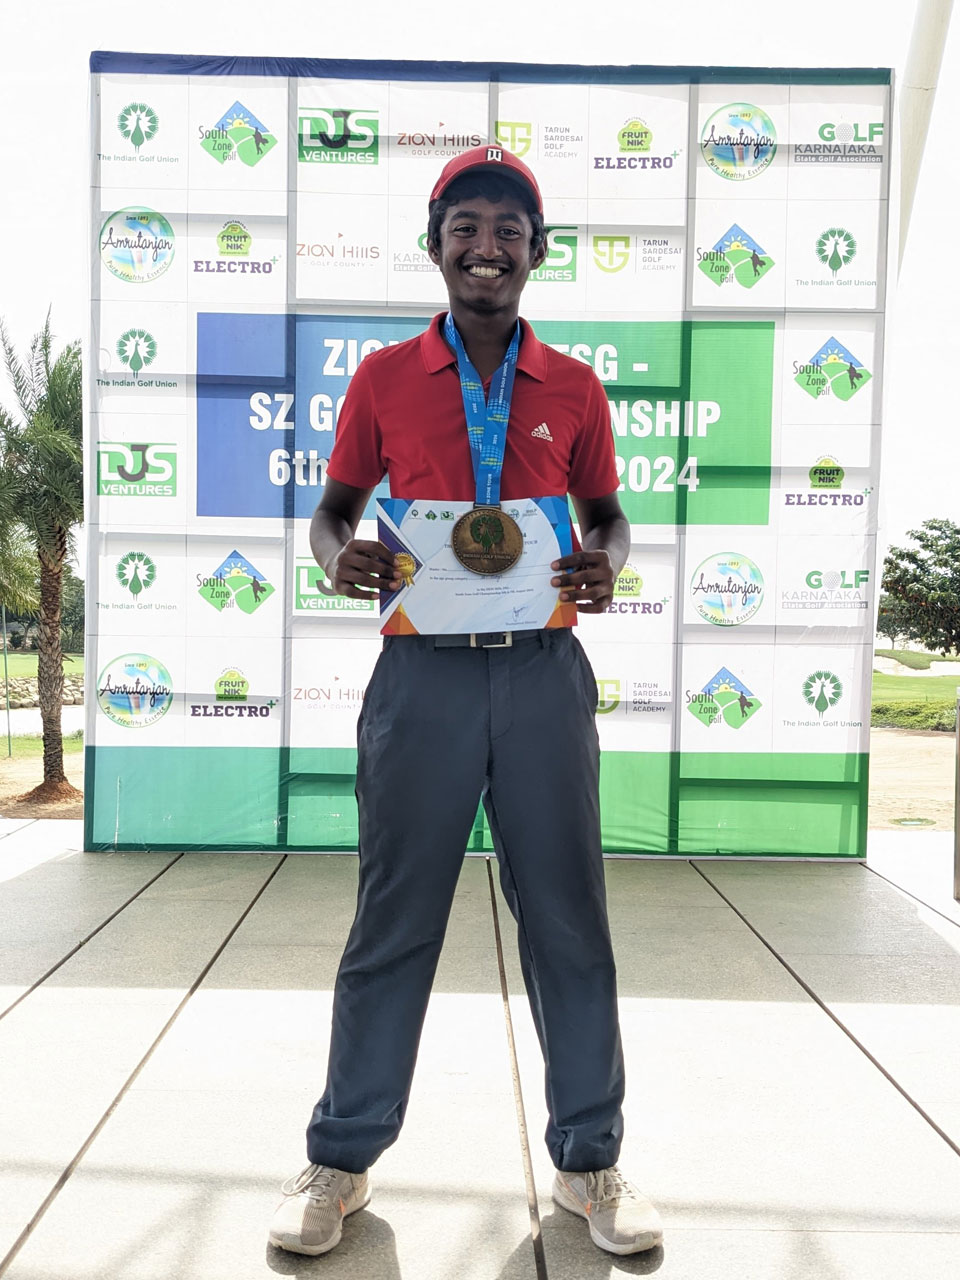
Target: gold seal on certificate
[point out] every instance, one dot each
(406, 567)
(486, 540)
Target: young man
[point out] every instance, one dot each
(448, 718)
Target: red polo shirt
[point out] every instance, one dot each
(403, 417)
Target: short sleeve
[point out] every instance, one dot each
(593, 465)
(357, 457)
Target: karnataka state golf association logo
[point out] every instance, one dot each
(136, 244)
(735, 257)
(831, 371)
(611, 253)
(835, 248)
(136, 572)
(138, 123)
(134, 690)
(137, 349)
(723, 700)
(738, 141)
(237, 135)
(515, 135)
(338, 135)
(822, 690)
(727, 589)
(235, 584)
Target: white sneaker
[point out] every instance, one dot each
(621, 1219)
(310, 1217)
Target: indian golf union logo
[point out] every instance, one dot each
(835, 248)
(723, 700)
(138, 123)
(338, 135)
(822, 690)
(136, 470)
(313, 593)
(831, 371)
(136, 244)
(738, 141)
(609, 693)
(236, 584)
(727, 589)
(611, 253)
(136, 572)
(134, 690)
(515, 135)
(237, 135)
(137, 349)
(560, 264)
(735, 257)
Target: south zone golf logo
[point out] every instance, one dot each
(831, 371)
(313, 593)
(136, 470)
(738, 141)
(727, 589)
(233, 258)
(236, 584)
(736, 257)
(826, 488)
(723, 700)
(636, 151)
(843, 142)
(134, 690)
(136, 244)
(230, 700)
(560, 264)
(628, 595)
(237, 135)
(829, 589)
(338, 135)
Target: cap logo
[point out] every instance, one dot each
(494, 153)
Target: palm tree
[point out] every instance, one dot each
(41, 494)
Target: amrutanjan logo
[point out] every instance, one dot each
(136, 244)
(338, 135)
(727, 589)
(413, 259)
(822, 690)
(628, 592)
(735, 256)
(137, 349)
(237, 135)
(611, 252)
(831, 371)
(516, 136)
(835, 248)
(230, 700)
(724, 699)
(234, 242)
(635, 149)
(138, 123)
(235, 584)
(134, 690)
(343, 251)
(830, 589)
(560, 264)
(608, 696)
(739, 141)
(313, 593)
(843, 142)
(136, 470)
(136, 572)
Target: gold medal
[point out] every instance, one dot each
(486, 540)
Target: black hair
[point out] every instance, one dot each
(491, 186)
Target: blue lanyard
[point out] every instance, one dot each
(487, 419)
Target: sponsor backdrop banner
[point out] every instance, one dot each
(717, 254)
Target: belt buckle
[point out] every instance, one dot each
(506, 643)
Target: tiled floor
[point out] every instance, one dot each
(791, 1030)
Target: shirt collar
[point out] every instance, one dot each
(531, 360)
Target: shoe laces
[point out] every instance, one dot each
(316, 1180)
(607, 1184)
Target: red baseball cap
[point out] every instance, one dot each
(491, 157)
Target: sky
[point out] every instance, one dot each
(44, 106)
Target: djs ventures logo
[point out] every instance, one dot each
(739, 141)
(560, 264)
(338, 135)
(136, 470)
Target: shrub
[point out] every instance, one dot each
(914, 715)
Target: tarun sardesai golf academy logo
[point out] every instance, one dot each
(237, 135)
(136, 244)
(134, 690)
(723, 700)
(831, 371)
(236, 584)
(738, 141)
(735, 257)
(727, 589)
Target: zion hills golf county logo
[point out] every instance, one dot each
(560, 264)
(635, 149)
(136, 244)
(236, 584)
(136, 572)
(138, 123)
(738, 141)
(835, 248)
(338, 135)
(134, 690)
(237, 135)
(735, 256)
(822, 690)
(724, 699)
(831, 371)
(727, 589)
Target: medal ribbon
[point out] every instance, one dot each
(487, 418)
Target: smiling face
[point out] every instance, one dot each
(484, 253)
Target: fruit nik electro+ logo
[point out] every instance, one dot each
(735, 257)
(723, 700)
(136, 244)
(635, 150)
(138, 123)
(831, 371)
(611, 253)
(136, 470)
(628, 592)
(338, 135)
(560, 264)
(516, 136)
(727, 589)
(234, 243)
(826, 488)
(230, 700)
(236, 584)
(739, 141)
(237, 135)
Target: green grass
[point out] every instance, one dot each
(20, 665)
(915, 689)
(915, 661)
(25, 747)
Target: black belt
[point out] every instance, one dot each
(486, 639)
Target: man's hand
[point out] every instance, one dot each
(362, 569)
(589, 581)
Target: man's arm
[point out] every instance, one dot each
(355, 567)
(605, 534)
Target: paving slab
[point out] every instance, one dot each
(920, 862)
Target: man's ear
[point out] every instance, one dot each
(539, 254)
(433, 252)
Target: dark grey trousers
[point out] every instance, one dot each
(439, 728)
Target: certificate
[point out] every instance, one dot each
(441, 597)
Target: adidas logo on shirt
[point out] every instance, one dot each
(542, 432)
